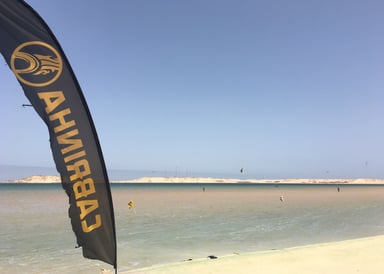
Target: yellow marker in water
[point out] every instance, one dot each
(131, 204)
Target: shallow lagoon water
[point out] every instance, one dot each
(176, 222)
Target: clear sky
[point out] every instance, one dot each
(280, 88)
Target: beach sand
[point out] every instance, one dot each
(365, 255)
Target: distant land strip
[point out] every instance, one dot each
(208, 180)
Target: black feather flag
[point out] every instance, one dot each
(37, 60)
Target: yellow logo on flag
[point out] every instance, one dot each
(36, 64)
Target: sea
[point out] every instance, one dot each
(178, 222)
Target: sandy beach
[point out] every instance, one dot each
(363, 255)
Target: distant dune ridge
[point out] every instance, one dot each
(38, 179)
(206, 180)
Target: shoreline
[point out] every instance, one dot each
(202, 180)
(210, 180)
(363, 255)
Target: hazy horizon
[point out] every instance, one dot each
(11, 172)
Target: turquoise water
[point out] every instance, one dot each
(172, 223)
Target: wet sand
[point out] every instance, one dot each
(363, 255)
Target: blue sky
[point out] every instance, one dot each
(281, 88)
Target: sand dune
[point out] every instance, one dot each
(206, 180)
(259, 181)
(38, 179)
